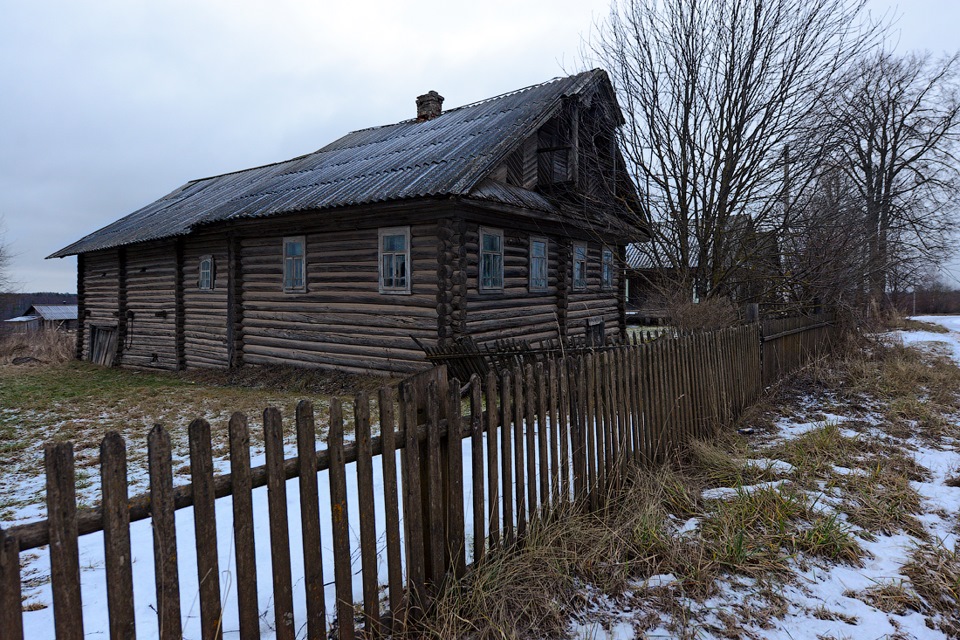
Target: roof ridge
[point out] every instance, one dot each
(384, 126)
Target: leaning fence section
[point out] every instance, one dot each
(455, 470)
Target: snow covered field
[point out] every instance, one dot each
(821, 599)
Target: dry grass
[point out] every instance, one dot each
(44, 347)
(934, 571)
(896, 597)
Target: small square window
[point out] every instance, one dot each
(294, 264)
(206, 277)
(491, 260)
(607, 273)
(395, 260)
(580, 265)
(538, 264)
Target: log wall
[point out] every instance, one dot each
(515, 312)
(150, 307)
(342, 320)
(100, 292)
(205, 311)
(594, 301)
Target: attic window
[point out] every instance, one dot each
(205, 279)
(294, 264)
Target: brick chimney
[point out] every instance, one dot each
(429, 106)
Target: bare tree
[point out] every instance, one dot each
(898, 120)
(723, 101)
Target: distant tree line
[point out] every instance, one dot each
(783, 152)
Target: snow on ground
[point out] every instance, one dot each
(820, 602)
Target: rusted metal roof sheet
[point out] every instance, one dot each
(449, 155)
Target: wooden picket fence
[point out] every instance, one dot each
(531, 443)
(788, 343)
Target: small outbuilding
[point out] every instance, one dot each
(506, 218)
(55, 317)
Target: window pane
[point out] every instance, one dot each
(400, 270)
(394, 243)
(580, 253)
(293, 248)
(539, 249)
(491, 271)
(491, 242)
(387, 271)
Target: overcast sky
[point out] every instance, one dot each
(107, 105)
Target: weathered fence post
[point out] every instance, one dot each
(11, 607)
(279, 529)
(243, 542)
(164, 534)
(64, 552)
(116, 536)
(205, 529)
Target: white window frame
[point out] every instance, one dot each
(287, 240)
(608, 278)
(581, 285)
(394, 231)
(211, 273)
(480, 258)
(531, 285)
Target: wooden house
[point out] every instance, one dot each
(502, 218)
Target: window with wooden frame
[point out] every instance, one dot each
(607, 271)
(395, 260)
(294, 264)
(206, 276)
(538, 264)
(580, 265)
(491, 259)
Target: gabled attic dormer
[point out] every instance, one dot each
(572, 155)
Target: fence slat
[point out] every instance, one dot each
(116, 536)
(64, 553)
(506, 457)
(590, 424)
(553, 403)
(412, 506)
(11, 607)
(493, 477)
(435, 495)
(279, 532)
(205, 529)
(476, 460)
(564, 428)
(243, 541)
(453, 448)
(518, 459)
(310, 520)
(342, 570)
(530, 432)
(391, 506)
(542, 438)
(164, 534)
(368, 521)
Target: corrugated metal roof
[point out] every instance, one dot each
(448, 155)
(54, 311)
